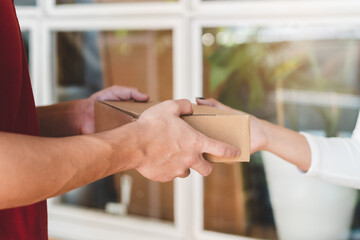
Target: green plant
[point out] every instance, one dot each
(243, 76)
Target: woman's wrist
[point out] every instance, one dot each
(266, 132)
(287, 144)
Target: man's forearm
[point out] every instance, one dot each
(160, 146)
(60, 120)
(35, 168)
(287, 144)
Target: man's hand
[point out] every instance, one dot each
(77, 117)
(258, 136)
(170, 147)
(160, 145)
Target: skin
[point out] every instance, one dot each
(265, 136)
(77, 117)
(159, 145)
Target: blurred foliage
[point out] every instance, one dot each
(244, 75)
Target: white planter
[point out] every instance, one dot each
(306, 208)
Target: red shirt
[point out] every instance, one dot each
(17, 115)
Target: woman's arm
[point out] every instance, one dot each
(335, 160)
(265, 136)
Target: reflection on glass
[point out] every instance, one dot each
(25, 37)
(244, 0)
(306, 79)
(86, 62)
(25, 2)
(108, 1)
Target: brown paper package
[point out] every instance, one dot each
(212, 122)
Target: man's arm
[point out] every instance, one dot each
(36, 168)
(77, 117)
(160, 145)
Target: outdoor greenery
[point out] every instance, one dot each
(245, 76)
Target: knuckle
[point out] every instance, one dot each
(208, 169)
(230, 151)
(187, 102)
(171, 104)
(196, 142)
(180, 172)
(189, 161)
(219, 149)
(223, 149)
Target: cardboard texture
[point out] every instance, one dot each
(212, 122)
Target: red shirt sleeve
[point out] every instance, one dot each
(17, 115)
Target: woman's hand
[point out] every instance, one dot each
(287, 144)
(258, 136)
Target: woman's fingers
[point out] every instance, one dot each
(211, 102)
(215, 103)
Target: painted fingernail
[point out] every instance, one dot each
(201, 98)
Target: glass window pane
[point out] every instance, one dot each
(253, 0)
(107, 1)
(85, 62)
(25, 2)
(304, 78)
(26, 37)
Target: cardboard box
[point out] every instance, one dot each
(215, 123)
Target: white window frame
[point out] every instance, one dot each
(186, 18)
(276, 8)
(123, 9)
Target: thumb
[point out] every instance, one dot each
(220, 149)
(184, 107)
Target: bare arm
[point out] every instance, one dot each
(333, 160)
(285, 143)
(77, 117)
(159, 145)
(36, 168)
